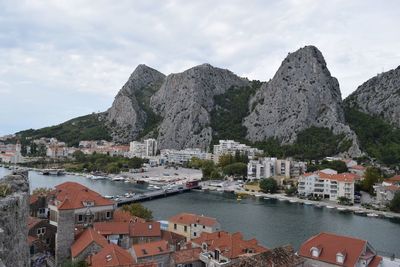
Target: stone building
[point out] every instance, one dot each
(14, 212)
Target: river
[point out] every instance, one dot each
(272, 222)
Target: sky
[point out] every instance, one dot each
(64, 58)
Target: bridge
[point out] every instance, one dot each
(140, 197)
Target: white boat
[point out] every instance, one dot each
(341, 208)
(307, 203)
(258, 195)
(95, 177)
(372, 214)
(266, 197)
(126, 181)
(281, 199)
(109, 197)
(118, 178)
(330, 207)
(388, 216)
(359, 212)
(293, 201)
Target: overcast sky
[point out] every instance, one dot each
(61, 59)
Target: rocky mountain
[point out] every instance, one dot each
(185, 101)
(379, 96)
(127, 116)
(301, 94)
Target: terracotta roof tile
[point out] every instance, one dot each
(71, 195)
(151, 249)
(111, 228)
(188, 218)
(230, 245)
(342, 177)
(330, 245)
(112, 255)
(375, 261)
(85, 239)
(124, 216)
(32, 221)
(145, 229)
(186, 256)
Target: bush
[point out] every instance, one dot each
(395, 203)
(269, 185)
(138, 210)
(236, 169)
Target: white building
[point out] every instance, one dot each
(181, 156)
(146, 149)
(268, 167)
(230, 147)
(328, 184)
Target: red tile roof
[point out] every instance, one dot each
(71, 195)
(112, 255)
(357, 167)
(394, 179)
(331, 244)
(85, 239)
(151, 249)
(230, 245)
(148, 229)
(32, 221)
(341, 177)
(375, 262)
(124, 216)
(32, 239)
(111, 228)
(188, 218)
(186, 256)
(392, 188)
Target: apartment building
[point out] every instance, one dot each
(192, 225)
(268, 167)
(231, 146)
(328, 184)
(147, 148)
(182, 156)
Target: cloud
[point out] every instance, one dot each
(84, 51)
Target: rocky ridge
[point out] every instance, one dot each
(301, 94)
(126, 116)
(379, 96)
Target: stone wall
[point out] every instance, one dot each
(65, 235)
(14, 212)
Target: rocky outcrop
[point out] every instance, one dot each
(185, 101)
(379, 96)
(126, 117)
(301, 94)
(14, 212)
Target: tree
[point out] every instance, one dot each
(79, 156)
(269, 185)
(291, 191)
(372, 176)
(41, 190)
(395, 203)
(344, 201)
(236, 169)
(138, 210)
(225, 160)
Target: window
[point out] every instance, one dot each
(185, 228)
(80, 218)
(41, 231)
(175, 226)
(195, 225)
(194, 234)
(204, 227)
(108, 214)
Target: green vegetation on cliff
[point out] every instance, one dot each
(89, 127)
(377, 137)
(152, 119)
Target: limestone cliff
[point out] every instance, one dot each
(301, 94)
(127, 116)
(379, 96)
(14, 212)
(185, 100)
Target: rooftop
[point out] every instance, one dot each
(85, 239)
(145, 229)
(186, 256)
(230, 245)
(189, 218)
(151, 249)
(71, 195)
(112, 255)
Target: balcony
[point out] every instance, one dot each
(208, 259)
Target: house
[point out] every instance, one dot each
(268, 167)
(41, 236)
(192, 225)
(38, 205)
(158, 252)
(224, 249)
(326, 249)
(358, 169)
(328, 184)
(87, 205)
(111, 256)
(278, 257)
(124, 216)
(114, 232)
(87, 243)
(386, 191)
(144, 232)
(187, 258)
(176, 241)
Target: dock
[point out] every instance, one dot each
(161, 193)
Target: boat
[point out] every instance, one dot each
(307, 203)
(372, 214)
(293, 201)
(239, 198)
(258, 195)
(341, 209)
(360, 212)
(266, 198)
(388, 216)
(118, 179)
(95, 177)
(108, 197)
(318, 206)
(127, 181)
(330, 207)
(281, 199)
